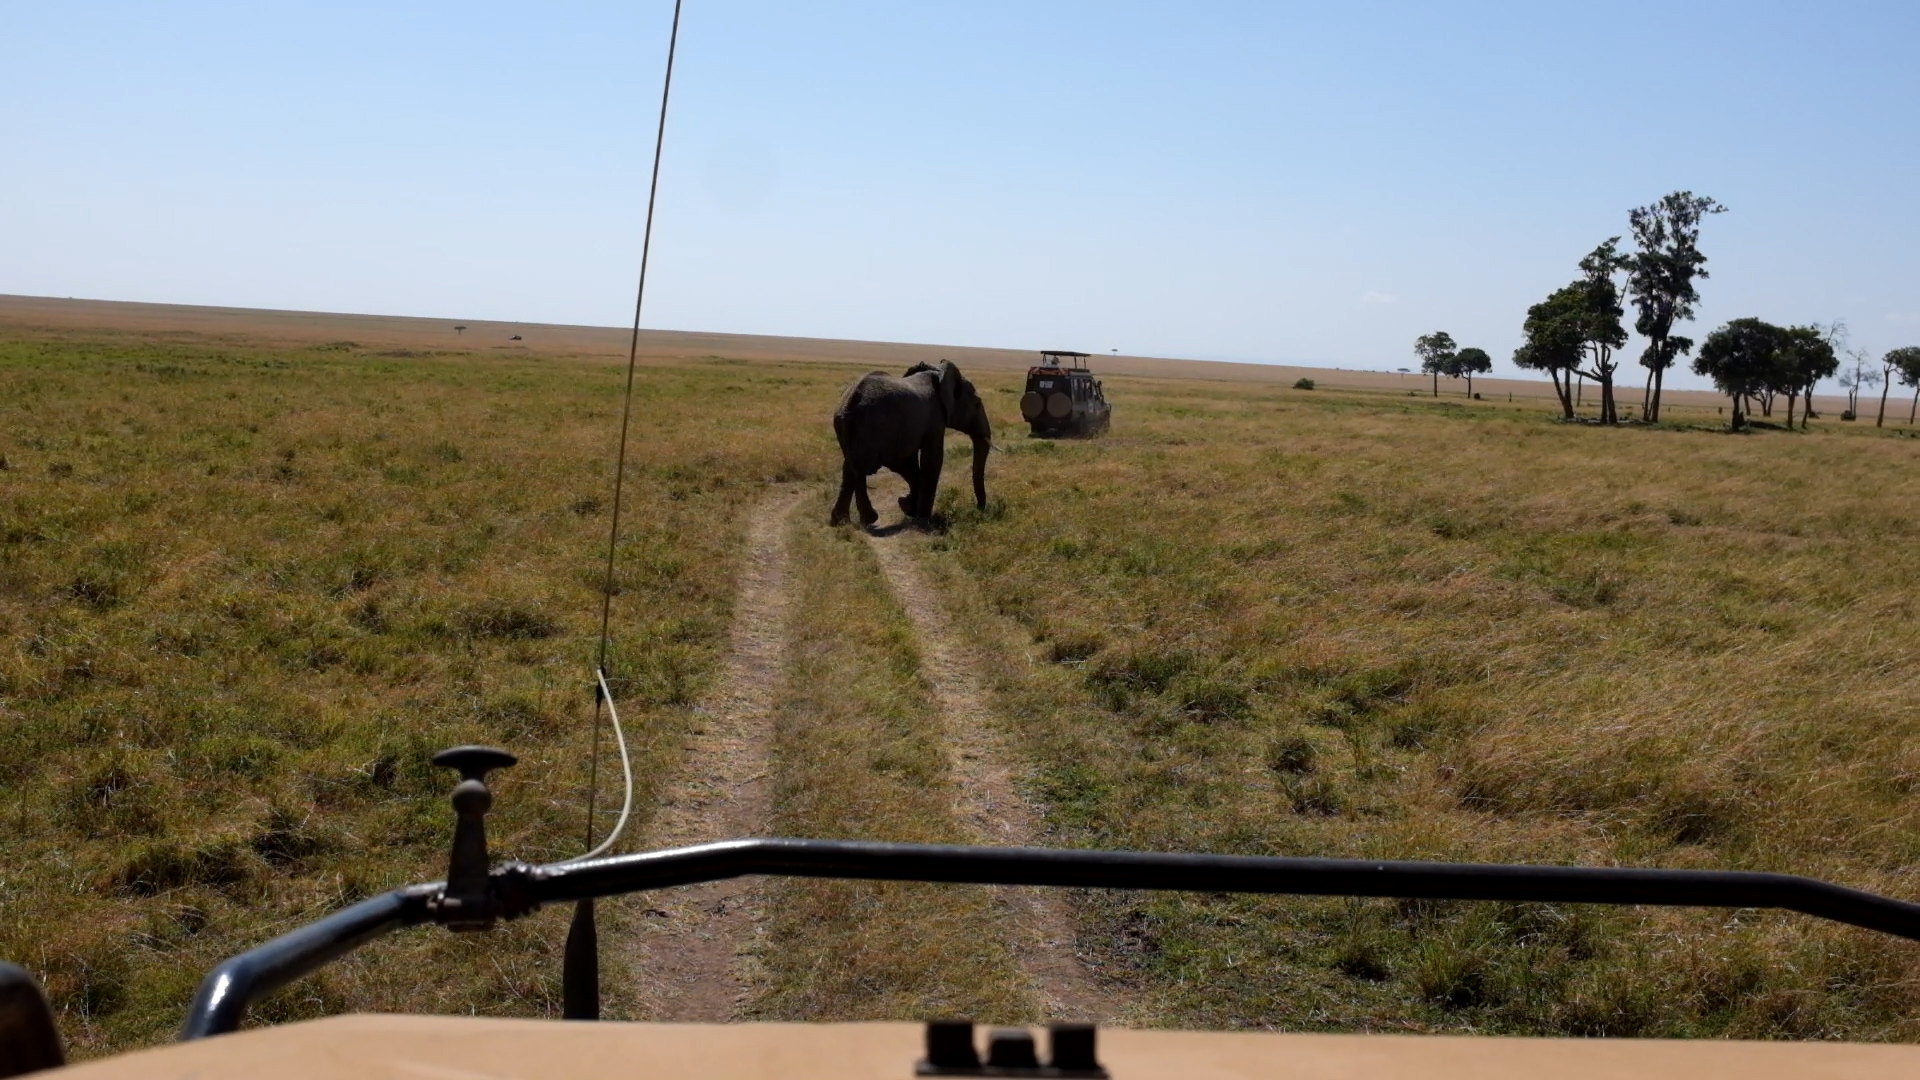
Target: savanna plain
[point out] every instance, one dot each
(247, 588)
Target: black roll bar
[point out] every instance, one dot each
(226, 991)
(519, 889)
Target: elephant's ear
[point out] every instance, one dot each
(950, 380)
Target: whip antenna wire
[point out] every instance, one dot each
(602, 693)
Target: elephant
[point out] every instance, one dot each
(885, 422)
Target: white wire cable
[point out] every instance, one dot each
(626, 776)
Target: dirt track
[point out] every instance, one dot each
(695, 945)
(987, 803)
(693, 960)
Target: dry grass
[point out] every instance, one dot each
(245, 592)
(1313, 624)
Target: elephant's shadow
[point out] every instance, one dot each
(936, 525)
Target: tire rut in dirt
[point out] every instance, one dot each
(987, 802)
(694, 943)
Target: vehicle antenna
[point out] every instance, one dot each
(601, 690)
(580, 962)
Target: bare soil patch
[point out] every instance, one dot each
(694, 942)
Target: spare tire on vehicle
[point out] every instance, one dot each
(1031, 406)
(1059, 406)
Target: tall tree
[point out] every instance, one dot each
(1471, 362)
(1742, 358)
(1903, 364)
(1554, 338)
(1435, 351)
(1836, 335)
(1857, 378)
(1806, 356)
(1660, 278)
(1599, 320)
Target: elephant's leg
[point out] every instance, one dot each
(848, 479)
(909, 470)
(932, 456)
(868, 515)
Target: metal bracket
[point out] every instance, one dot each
(468, 901)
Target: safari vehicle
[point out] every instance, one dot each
(479, 894)
(1063, 397)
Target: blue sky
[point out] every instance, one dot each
(1262, 181)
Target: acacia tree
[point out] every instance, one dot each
(1903, 364)
(1435, 351)
(1599, 316)
(1743, 359)
(1553, 341)
(1660, 279)
(1806, 356)
(1857, 378)
(1836, 335)
(1471, 362)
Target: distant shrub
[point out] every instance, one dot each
(1303, 384)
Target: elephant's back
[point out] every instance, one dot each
(855, 407)
(868, 391)
(880, 417)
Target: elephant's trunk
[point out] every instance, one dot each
(982, 442)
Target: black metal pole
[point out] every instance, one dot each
(580, 966)
(518, 889)
(1222, 873)
(221, 1002)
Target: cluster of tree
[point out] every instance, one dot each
(1577, 331)
(1896, 364)
(1752, 361)
(1440, 356)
